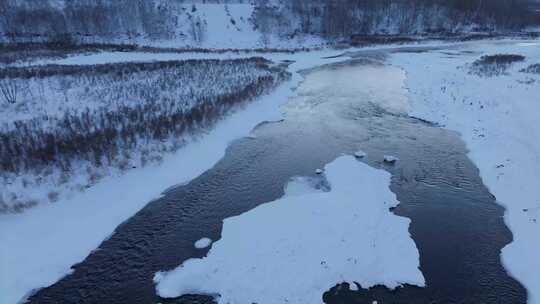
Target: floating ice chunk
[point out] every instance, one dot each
(360, 154)
(319, 171)
(296, 248)
(390, 159)
(203, 243)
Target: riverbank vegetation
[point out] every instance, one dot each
(69, 126)
(494, 65)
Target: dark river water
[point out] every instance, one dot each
(455, 222)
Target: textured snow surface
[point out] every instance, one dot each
(296, 248)
(39, 246)
(117, 57)
(499, 119)
(220, 32)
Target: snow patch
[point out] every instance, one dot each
(298, 247)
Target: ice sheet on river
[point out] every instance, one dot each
(296, 248)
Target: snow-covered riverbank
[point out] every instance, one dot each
(499, 119)
(39, 246)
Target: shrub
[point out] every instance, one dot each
(142, 104)
(494, 65)
(9, 90)
(532, 69)
(118, 115)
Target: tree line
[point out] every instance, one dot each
(341, 19)
(118, 21)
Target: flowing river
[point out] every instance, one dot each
(340, 109)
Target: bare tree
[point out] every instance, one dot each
(9, 89)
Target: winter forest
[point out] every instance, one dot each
(123, 21)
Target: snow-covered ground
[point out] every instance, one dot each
(218, 53)
(38, 247)
(222, 26)
(227, 26)
(302, 245)
(117, 57)
(499, 119)
(62, 93)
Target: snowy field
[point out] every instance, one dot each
(499, 119)
(118, 57)
(302, 245)
(37, 249)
